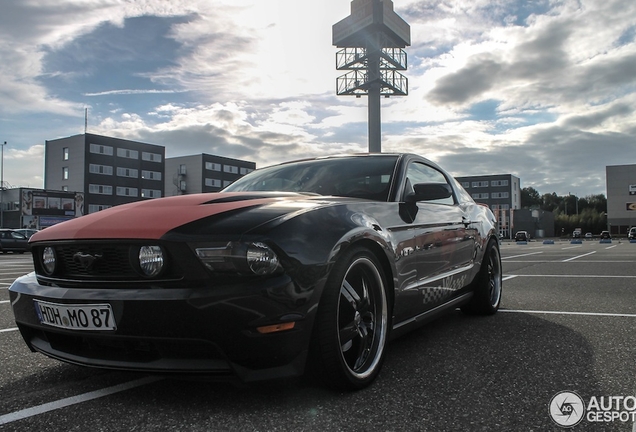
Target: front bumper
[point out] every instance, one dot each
(210, 331)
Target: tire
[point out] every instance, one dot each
(487, 287)
(352, 324)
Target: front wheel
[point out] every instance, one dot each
(488, 284)
(352, 324)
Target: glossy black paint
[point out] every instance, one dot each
(195, 321)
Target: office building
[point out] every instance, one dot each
(203, 173)
(621, 198)
(500, 192)
(107, 171)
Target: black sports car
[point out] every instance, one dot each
(313, 264)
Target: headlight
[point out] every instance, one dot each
(261, 259)
(151, 260)
(248, 258)
(48, 260)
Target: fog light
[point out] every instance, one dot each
(151, 260)
(48, 260)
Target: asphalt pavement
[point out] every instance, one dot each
(564, 331)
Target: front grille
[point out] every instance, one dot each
(110, 261)
(103, 264)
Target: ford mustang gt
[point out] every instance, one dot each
(311, 265)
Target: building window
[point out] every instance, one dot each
(100, 169)
(150, 175)
(152, 157)
(65, 173)
(480, 184)
(226, 183)
(212, 166)
(101, 149)
(150, 193)
(499, 183)
(212, 182)
(94, 208)
(244, 171)
(182, 186)
(65, 153)
(127, 172)
(230, 169)
(480, 196)
(126, 191)
(465, 185)
(126, 153)
(65, 188)
(100, 189)
(500, 195)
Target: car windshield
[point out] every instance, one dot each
(367, 177)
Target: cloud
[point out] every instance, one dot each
(544, 90)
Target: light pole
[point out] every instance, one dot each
(2, 186)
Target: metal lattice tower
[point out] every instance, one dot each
(372, 38)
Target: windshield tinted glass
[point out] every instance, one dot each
(367, 177)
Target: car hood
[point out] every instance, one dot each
(153, 219)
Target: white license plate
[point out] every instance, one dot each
(76, 316)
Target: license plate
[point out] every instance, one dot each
(76, 316)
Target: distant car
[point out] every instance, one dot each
(27, 232)
(576, 234)
(588, 235)
(319, 261)
(521, 236)
(13, 241)
(605, 235)
(631, 235)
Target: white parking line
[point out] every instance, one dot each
(505, 278)
(517, 256)
(578, 256)
(40, 409)
(4, 301)
(570, 313)
(571, 247)
(8, 330)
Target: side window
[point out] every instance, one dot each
(418, 172)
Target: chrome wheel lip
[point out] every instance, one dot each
(368, 327)
(494, 277)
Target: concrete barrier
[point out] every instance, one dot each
(577, 241)
(605, 241)
(548, 241)
(522, 242)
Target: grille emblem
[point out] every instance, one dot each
(86, 260)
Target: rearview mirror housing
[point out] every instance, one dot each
(429, 192)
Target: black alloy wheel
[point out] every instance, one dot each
(488, 284)
(353, 322)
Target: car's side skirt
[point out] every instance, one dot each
(437, 278)
(407, 325)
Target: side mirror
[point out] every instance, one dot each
(429, 192)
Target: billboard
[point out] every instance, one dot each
(40, 208)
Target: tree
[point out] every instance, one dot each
(530, 198)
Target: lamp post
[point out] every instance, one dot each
(2, 186)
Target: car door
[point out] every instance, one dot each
(444, 240)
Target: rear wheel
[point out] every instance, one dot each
(352, 323)
(488, 284)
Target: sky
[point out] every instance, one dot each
(541, 89)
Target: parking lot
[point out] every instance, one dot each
(566, 324)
